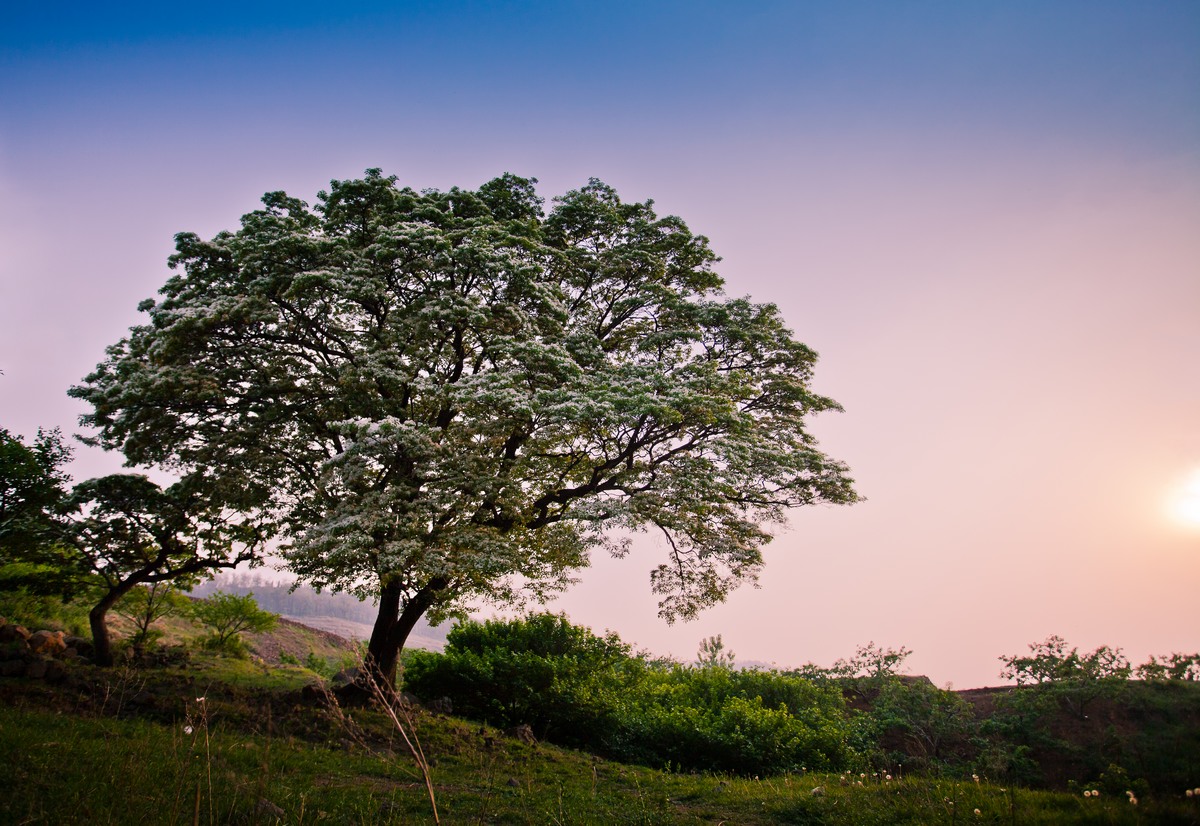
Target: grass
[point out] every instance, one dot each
(138, 747)
(134, 745)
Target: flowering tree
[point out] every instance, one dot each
(450, 395)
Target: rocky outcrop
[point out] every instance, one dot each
(40, 655)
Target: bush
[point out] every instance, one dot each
(561, 680)
(929, 722)
(579, 689)
(746, 722)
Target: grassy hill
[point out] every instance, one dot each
(203, 738)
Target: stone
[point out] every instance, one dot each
(50, 643)
(56, 672)
(16, 649)
(523, 733)
(266, 809)
(35, 669)
(82, 645)
(12, 633)
(344, 677)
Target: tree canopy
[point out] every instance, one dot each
(33, 484)
(452, 395)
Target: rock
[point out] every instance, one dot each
(16, 649)
(12, 668)
(523, 733)
(35, 669)
(56, 672)
(442, 705)
(265, 810)
(83, 646)
(50, 643)
(819, 791)
(12, 633)
(312, 695)
(345, 677)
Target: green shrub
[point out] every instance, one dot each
(561, 680)
(579, 689)
(227, 616)
(746, 722)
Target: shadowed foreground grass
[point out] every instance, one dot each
(222, 760)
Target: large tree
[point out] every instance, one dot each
(451, 395)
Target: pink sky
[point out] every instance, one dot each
(986, 222)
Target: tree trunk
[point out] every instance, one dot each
(391, 630)
(98, 620)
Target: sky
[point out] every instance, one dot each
(984, 216)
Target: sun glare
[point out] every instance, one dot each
(1184, 504)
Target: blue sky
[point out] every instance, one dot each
(982, 215)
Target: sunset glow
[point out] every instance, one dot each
(1184, 504)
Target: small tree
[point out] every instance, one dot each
(146, 605)
(925, 715)
(126, 531)
(713, 654)
(1075, 679)
(228, 615)
(870, 668)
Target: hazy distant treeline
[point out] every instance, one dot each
(279, 598)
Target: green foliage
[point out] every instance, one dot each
(132, 771)
(1116, 782)
(746, 722)
(1184, 667)
(227, 616)
(21, 606)
(32, 487)
(576, 688)
(928, 719)
(560, 679)
(866, 673)
(33, 494)
(321, 666)
(1074, 679)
